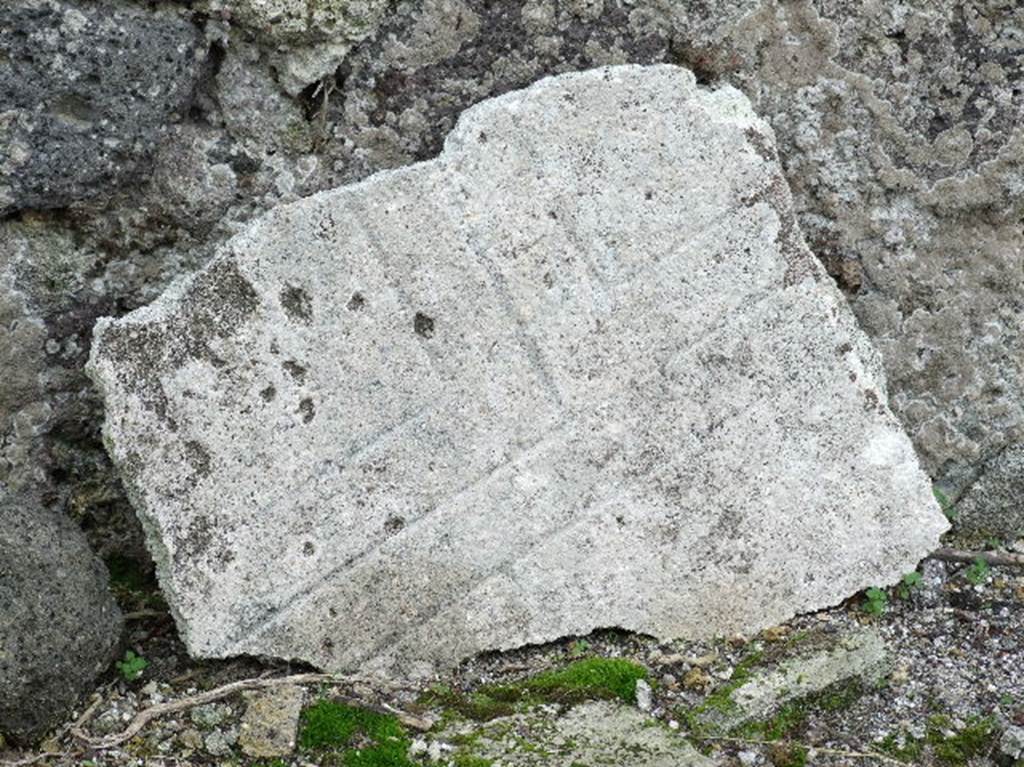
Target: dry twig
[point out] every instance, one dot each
(989, 557)
(183, 704)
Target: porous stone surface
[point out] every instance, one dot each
(86, 92)
(591, 733)
(307, 39)
(59, 625)
(580, 371)
(302, 21)
(271, 721)
(993, 507)
(818, 664)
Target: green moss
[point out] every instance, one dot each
(469, 760)
(479, 706)
(949, 746)
(793, 714)
(720, 700)
(903, 747)
(353, 737)
(590, 679)
(790, 755)
(975, 739)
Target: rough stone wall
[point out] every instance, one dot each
(898, 126)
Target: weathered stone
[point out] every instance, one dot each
(590, 733)
(86, 92)
(580, 371)
(309, 38)
(59, 625)
(258, 116)
(644, 695)
(51, 290)
(899, 126)
(271, 721)
(303, 21)
(1011, 744)
(993, 507)
(819, 664)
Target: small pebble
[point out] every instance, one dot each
(704, 660)
(644, 695)
(749, 758)
(219, 742)
(675, 659)
(696, 678)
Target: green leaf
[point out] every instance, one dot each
(978, 572)
(875, 601)
(132, 666)
(947, 506)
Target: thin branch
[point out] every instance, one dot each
(989, 557)
(183, 704)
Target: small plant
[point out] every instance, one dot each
(875, 601)
(947, 505)
(908, 583)
(977, 572)
(132, 666)
(579, 648)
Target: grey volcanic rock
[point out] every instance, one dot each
(307, 39)
(579, 371)
(86, 92)
(993, 506)
(59, 625)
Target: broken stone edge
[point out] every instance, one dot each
(728, 104)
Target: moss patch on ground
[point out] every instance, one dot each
(720, 699)
(589, 679)
(792, 715)
(348, 736)
(781, 727)
(949, 745)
